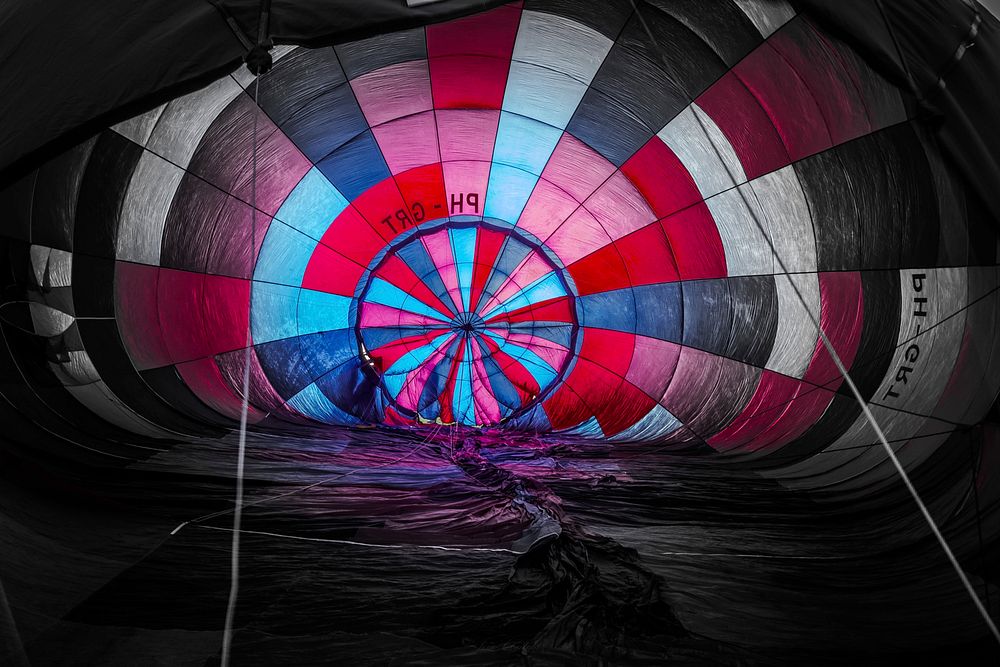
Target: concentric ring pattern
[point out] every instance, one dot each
(466, 324)
(553, 216)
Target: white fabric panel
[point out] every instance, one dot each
(145, 208)
(699, 143)
(657, 423)
(185, 120)
(78, 370)
(784, 205)
(945, 291)
(767, 15)
(99, 399)
(58, 264)
(560, 44)
(48, 321)
(740, 222)
(138, 128)
(542, 94)
(795, 339)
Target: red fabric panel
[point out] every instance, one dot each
(353, 237)
(488, 245)
(384, 357)
(565, 408)
(790, 106)
(745, 124)
(834, 83)
(661, 178)
(205, 380)
(179, 298)
(331, 272)
(447, 396)
(648, 256)
(697, 246)
(552, 310)
(138, 316)
(842, 319)
(601, 271)
(379, 205)
(469, 58)
(423, 191)
(610, 349)
(226, 308)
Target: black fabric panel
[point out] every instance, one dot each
(754, 302)
(838, 417)
(296, 79)
(329, 121)
(595, 115)
(708, 315)
(189, 224)
(88, 66)
(36, 392)
(359, 58)
(606, 17)
(882, 301)
(912, 188)
(833, 210)
(723, 24)
(866, 161)
(632, 75)
(57, 187)
(105, 183)
(928, 33)
(165, 382)
(104, 345)
(15, 202)
(93, 286)
(983, 232)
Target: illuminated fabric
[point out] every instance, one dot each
(552, 216)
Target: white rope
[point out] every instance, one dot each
(234, 583)
(847, 378)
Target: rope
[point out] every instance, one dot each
(847, 377)
(234, 584)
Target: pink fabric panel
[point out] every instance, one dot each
(619, 207)
(467, 134)
(547, 207)
(136, 288)
(577, 168)
(394, 91)
(580, 235)
(377, 315)
(409, 395)
(408, 142)
(229, 250)
(653, 364)
(553, 353)
(461, 178)
(531, 268)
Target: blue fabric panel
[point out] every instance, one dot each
(313, 403)
(284, 255)
(507, 192)
(312, 205)
(355, 166)
(320, 311)
(325, 123)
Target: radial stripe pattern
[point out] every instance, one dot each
(613, 220)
